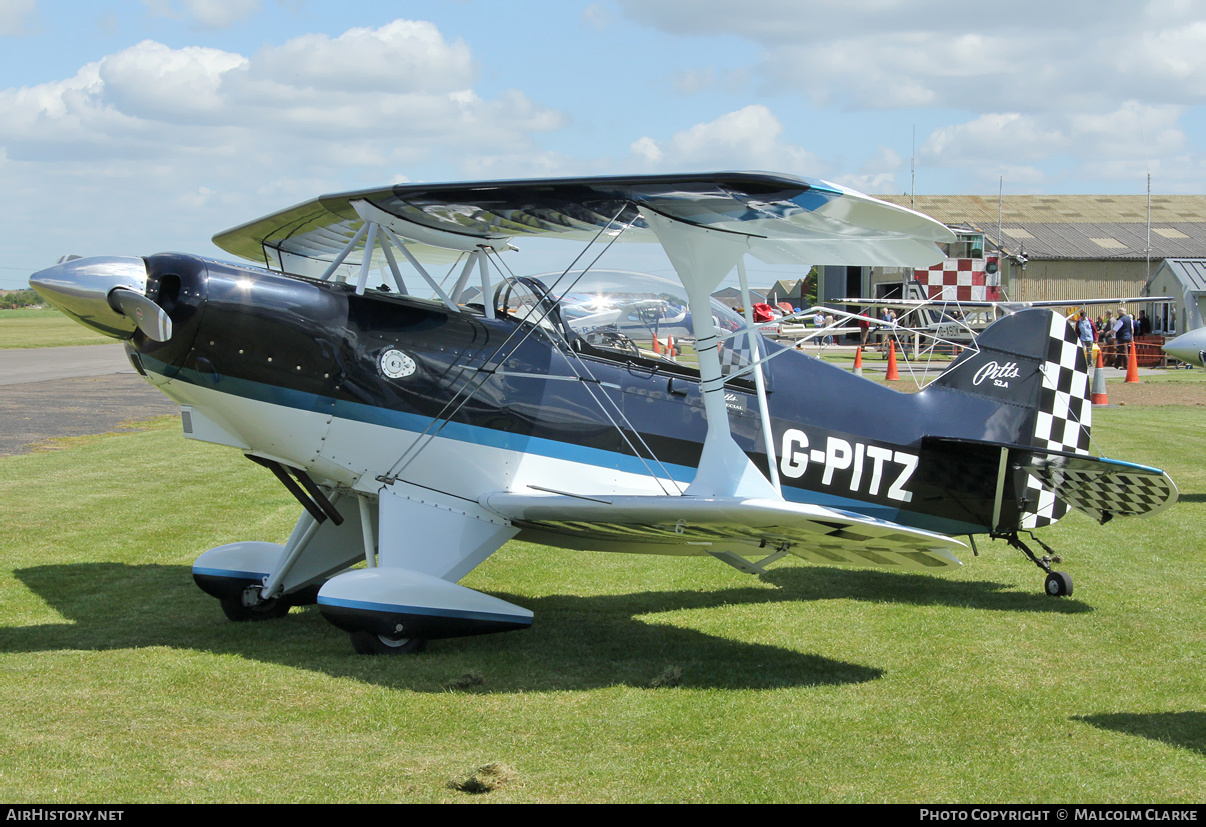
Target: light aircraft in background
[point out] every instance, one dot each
(420, 434)
(958, 322)
(1188, 347)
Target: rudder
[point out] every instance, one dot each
(1032, 361)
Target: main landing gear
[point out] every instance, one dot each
(368, 643)
(1058, 583)
(248, 605)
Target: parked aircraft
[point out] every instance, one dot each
(1188, 347)
(421, 434)
(958, 322)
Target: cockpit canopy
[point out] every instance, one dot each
(621, 314)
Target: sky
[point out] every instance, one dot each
(129, 128)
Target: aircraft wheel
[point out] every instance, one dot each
(1059, 584)
(234, 609)
(368, 643)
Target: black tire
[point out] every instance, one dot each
(367, 643)
(1059, 584)
(234, 609)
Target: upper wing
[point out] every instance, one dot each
(696, 524)
(789, 219)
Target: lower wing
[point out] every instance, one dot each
(684, 525)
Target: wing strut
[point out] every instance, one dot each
(703, 257)
(755, 340)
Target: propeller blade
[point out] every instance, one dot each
(149, 316)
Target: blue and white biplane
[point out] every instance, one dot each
(422, 424)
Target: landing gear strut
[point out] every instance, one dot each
(1058, 583)
(250, 606)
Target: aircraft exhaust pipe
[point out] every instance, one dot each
(106, 294)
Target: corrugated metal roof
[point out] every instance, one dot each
(1190, 272)
(1057, 209)
(1077, 226)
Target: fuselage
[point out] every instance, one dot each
(357, 389)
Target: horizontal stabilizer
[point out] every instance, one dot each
(748, 526)
(1102, 488)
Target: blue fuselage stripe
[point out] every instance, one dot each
(424, 611)
(527, 444)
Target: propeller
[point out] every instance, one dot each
(150, 317)
(104, 293)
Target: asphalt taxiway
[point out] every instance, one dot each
(52, 392)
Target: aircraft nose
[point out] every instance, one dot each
(1188, 347)
(105, 293)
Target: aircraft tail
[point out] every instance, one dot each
(1031, 360)
(1031, 453)
(1032, 363)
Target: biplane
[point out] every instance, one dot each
(423, 422)
(953, 322)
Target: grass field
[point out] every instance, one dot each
(643, 679)
(44, 327)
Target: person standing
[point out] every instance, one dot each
(1084, 329)
(1124, 334)
(1106, 339)
(1143, 326)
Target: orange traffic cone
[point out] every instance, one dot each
(1132, 365)
(892, 374)
(1099, 386)
(670, 346)
(858, 361)
(657, 348)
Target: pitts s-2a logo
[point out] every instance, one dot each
(868, 466)
(999, 374)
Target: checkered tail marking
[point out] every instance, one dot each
(735, 355)
(1064, 415)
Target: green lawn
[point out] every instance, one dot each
(121, 682)
(44, 327)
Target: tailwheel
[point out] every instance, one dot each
(1059, 584)
(371, 643)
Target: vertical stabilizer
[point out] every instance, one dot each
(1032, 364)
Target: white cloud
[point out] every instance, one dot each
(881, 54)
(400, 85)
(876, 175)
(748, 138)
(596, 16)
(1027, 149)
(1132, 130)
(400, 57)
(14, 16)
(205, 14)
(212, 137)
(156, 83)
